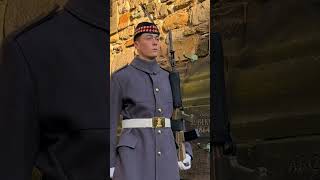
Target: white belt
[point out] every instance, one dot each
(155, 122)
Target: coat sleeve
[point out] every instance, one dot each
(19, 130)
(115, 110)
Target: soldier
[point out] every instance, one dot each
(141, 92)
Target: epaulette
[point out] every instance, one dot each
(120, 68)
(37, 21)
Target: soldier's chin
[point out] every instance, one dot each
(154, 55)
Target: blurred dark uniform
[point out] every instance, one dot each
(53, 96)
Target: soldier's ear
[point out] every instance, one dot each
(135, 52)
(136, 44)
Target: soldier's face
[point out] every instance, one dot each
(148, 45)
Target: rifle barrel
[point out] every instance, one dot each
(146, 12)
(171, 52)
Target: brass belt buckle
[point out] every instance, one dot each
(158, 122)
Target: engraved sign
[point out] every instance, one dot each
(305, 165)
(201, 162)
(201, 119)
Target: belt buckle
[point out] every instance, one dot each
(158, 122)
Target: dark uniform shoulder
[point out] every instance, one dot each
(36, 21)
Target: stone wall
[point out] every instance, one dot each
(188, 20)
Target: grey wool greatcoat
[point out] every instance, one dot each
(142, 153)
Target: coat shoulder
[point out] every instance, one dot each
(166, 70)
(35, 22)
(120, 69)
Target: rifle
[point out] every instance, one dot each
(143, 7)
(179, 116)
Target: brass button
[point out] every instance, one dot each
(159, 131)
(159, 153)
(159, 110)
(157, 90)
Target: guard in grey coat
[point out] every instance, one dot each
(141, 91)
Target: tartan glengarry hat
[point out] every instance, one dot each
(145, 27)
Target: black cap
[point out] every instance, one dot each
(145, 27)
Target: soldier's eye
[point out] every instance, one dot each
(149, 37)
(157, 38)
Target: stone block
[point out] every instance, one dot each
(180, 4)
(124, 21)
(114, 38)
(114, 18)
(176, 20)
(200, 13)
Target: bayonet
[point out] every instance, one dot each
(143, 7)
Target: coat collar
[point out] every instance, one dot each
(151, 67)
(94, 12)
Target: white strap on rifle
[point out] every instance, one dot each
(146, 123)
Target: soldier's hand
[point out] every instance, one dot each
(186, 163)
(111, 172)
